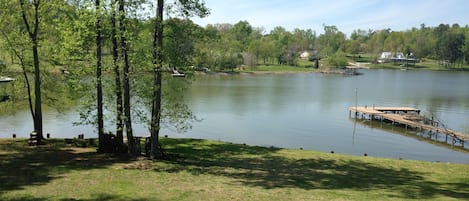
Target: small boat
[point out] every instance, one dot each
(65, 71)
(5, 97)
(6, 79)
(177, 74)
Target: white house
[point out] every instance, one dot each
(397, 57)
(305, 55)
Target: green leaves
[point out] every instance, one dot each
(188, 8)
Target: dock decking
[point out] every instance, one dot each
(408, 117)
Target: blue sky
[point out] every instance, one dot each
(347, 15)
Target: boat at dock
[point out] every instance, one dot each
(5, 97)
(177, 74)
(6, 79)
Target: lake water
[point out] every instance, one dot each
(308, 111)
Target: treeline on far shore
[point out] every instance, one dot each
(67, 36)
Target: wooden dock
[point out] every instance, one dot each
(407, 117)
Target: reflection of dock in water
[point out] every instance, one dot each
(424, 136)
(409, 118)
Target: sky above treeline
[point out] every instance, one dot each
(346, 15)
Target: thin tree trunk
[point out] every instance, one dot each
(99, 88)
(28, 86)
(118, 83)
(124, 46)
(37, 94)
(156, 151)
(37, 116)
(258, 54)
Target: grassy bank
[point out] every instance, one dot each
(302, 66)
(280, 69)
(423, 65)
(208, 170)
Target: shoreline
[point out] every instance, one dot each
(93, 142)
(303, 70)
(280, 70)
(252, 73)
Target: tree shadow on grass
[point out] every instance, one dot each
(23, 166)
(100, 197)
(261, 167)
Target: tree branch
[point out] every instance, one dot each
(23, 67)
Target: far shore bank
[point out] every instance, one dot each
(285, 69)
(266, 70)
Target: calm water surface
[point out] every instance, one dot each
(308, 111)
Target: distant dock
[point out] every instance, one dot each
(409, 118)
(6, 79)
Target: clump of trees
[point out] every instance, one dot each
(445, 43)
(114, 36)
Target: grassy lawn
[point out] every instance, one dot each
(367, 58)
(423, 65)
(303, 66)
(208, 170)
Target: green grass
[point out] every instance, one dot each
(209, 170)
(368, 58)
(426, 64)
(302, 67)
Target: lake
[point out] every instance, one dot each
(306, 110)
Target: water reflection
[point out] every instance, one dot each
(303, 110)
(440, 140)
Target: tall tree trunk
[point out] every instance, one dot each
(37, 94)
(118, 83)
(33, 35)
(156, 151)
(124, 46)
(99, 88)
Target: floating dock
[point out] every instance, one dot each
(6, 79)
(408, 117)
